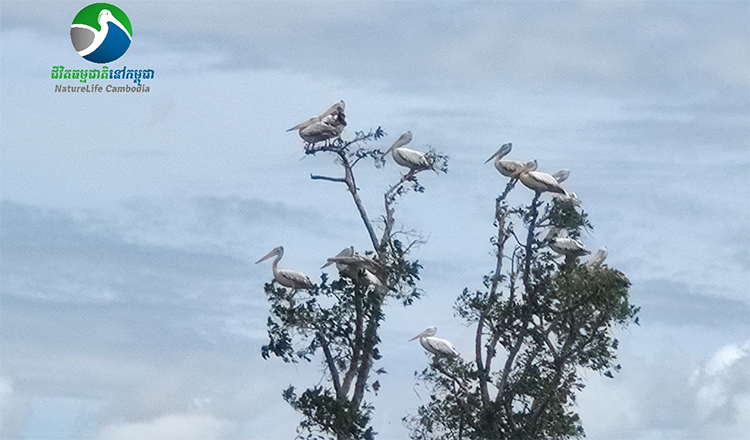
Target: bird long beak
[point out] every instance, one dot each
(505, 149)
(418, 336)
(268, 255)
(327, 264)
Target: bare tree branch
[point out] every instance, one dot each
(330, 179)
(331, 364)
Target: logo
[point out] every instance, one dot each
(101, 33)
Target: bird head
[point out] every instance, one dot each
(341, 118)
(274, 252)
(104, 16)
(502, 152)
(430, 331)
(346, 252)
(401, 141)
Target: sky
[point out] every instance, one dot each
(130, 306)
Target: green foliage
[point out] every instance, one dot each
(324, 413)
(339, 319)
(545, 322)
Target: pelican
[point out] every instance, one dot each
(436, 346)
(538, 181)
(564, 245)
(597, 259)
(99, 46)
(412, 159)
(331, 126)
(286, 277)
(334, 109)
(358, 267)
(506, 167)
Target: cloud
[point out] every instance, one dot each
(172, 427)
(579, 45)
(670, 396)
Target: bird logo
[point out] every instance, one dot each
(101, 33)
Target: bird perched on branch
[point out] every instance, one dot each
(537, 180)
(559, 242)
(287, 278)
(506, 167)
(412, 159)
(436, 346)
(358, 267)
(328, 125)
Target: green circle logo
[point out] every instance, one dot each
(101, 33)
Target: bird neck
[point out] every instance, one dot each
(276, 263)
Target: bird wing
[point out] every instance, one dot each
(508, 167)
(296, 278)
(82, 36)
(414, 159)
(569, 246)
(372, 279)
(359, 260)
(439, 346)
(318, 131)
(547, 182)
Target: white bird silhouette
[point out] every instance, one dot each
(506, 167)
(562, 244)
(597, 259)
(358, 267)
(537, 180)
(329, 127)
(412, 159)
(436, 346)
(287, 278)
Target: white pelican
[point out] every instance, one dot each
(99, 46)
(597, 259)
(506, 167)
(358, 267)
(329, 127)
(561, 176)
(286, 277)
(436, 346)
(538, 181)
(335, 108)
(412, 159)
(562, 244)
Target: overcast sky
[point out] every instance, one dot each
(129, 223)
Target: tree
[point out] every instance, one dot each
(551, 320)
(339, 319)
